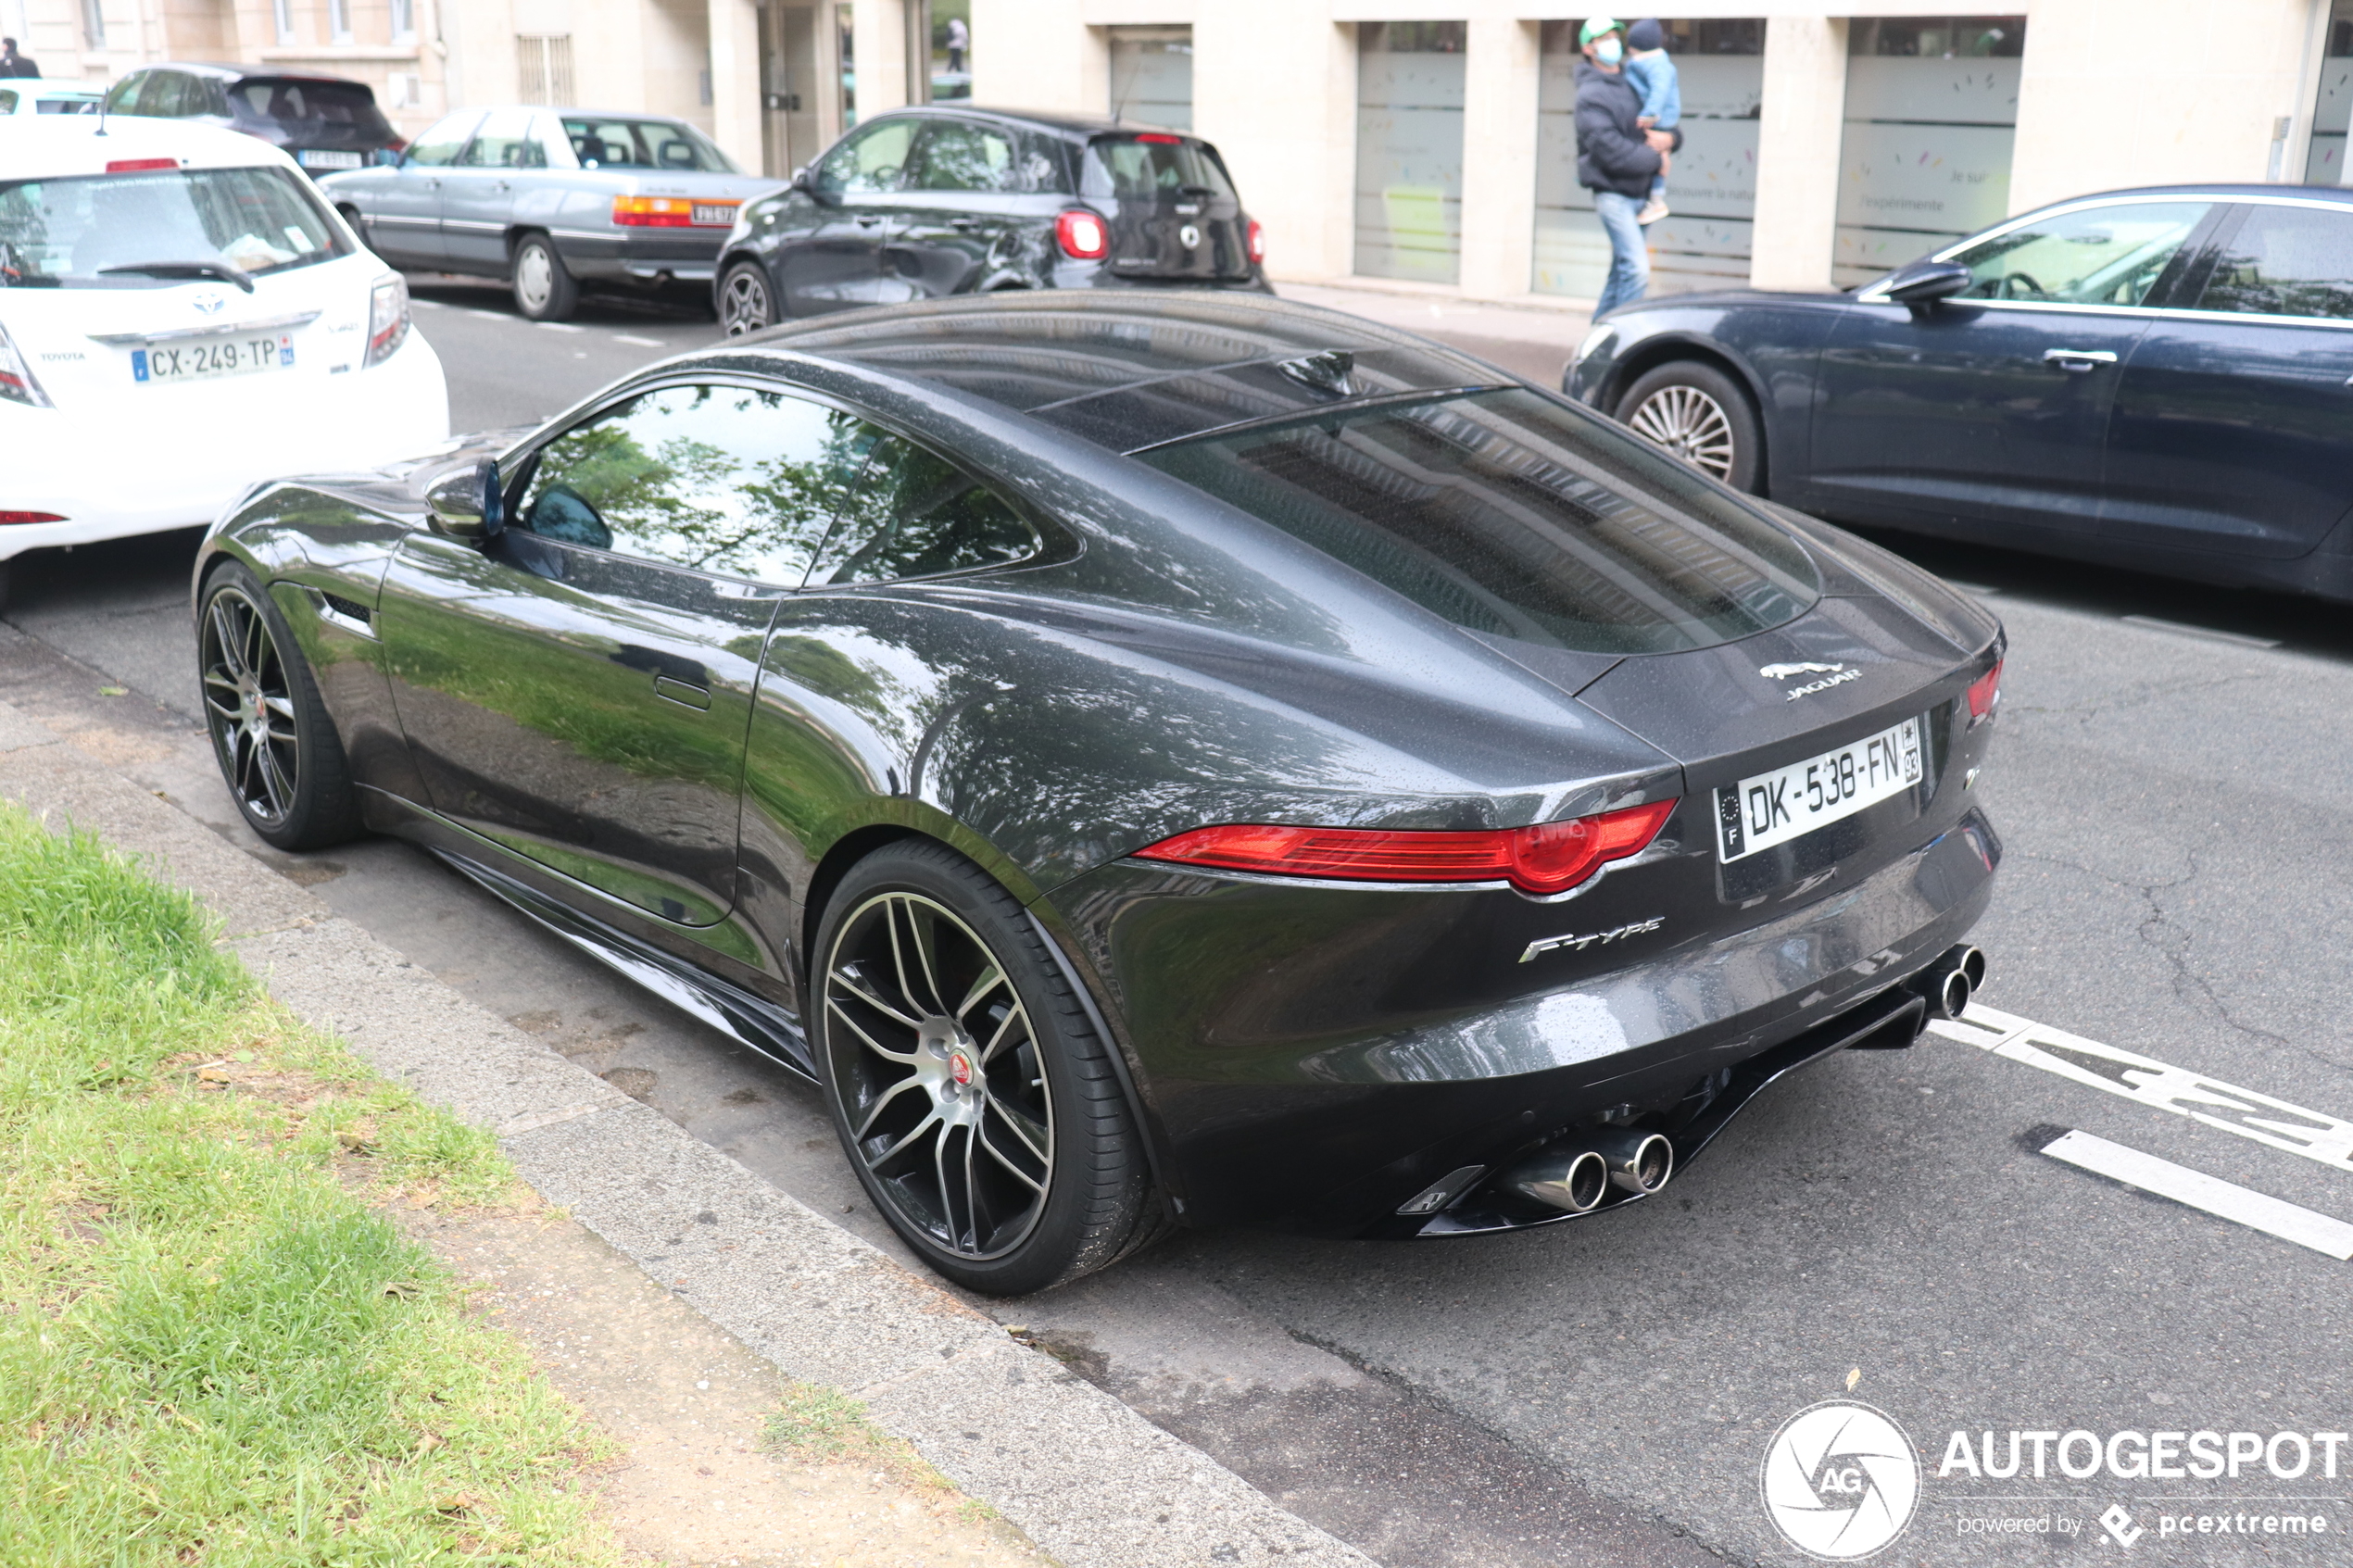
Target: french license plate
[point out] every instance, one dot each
(203, 358)
(320, 158)
(1790, 802)
(721, 212)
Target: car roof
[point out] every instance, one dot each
(57, 145)
(1131, 367)
(263, 73)
(1077, 126)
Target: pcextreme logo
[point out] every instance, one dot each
(1840, 1481)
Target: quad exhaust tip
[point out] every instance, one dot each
(1577, 1176)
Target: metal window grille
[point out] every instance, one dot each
(546, 59)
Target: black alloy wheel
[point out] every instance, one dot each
(1701, 415)
(745, 303)
(545, 288)
(979, 1108)
(278, 750)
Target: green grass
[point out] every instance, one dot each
(826, 1426)
(214, 1349)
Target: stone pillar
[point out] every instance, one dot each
(735, 82)
(1275, 87)
(1798, 152)
(880, 28)
(1499, 157)
(1039, 54)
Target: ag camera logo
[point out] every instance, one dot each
(1840, 1481)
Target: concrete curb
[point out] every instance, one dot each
(1086, 1477)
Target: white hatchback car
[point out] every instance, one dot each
(181, 316)
(32, 96)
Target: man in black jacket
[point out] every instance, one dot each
(1617, 160)
(13, 64)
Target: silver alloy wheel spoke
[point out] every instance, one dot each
(857, 987)
(1017, 1173)
(249, 706)
(1004, 1032)
(882, 1103)
(904, 1058)
(1689, 424)
(1013, 1119)
(990, 978)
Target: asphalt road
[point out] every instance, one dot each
(2169, 779)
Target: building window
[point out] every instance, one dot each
(951, 26)
(1932, 109)
(1151, 76)
(1703, 241)
(404, 20)
(94, 24)
(546, 61)
(339, 21)
(281, 13)
(2324, 164)
(846, 33)
(1409, 150)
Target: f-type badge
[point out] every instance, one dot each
(1598, 939)
(1832, 675)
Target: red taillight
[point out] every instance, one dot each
(8, 516)
(652, 212)
(1549, 858)
(1984, 692)
(1161, 139)
(1083, 234)
(1257, 242)
(134, 165)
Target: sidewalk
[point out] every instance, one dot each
(1088, 1480)
(1532, 340)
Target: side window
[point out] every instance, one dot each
(871, 161)
(123, 96)
(555, 149)
(162, 94)
(2285, 261)
(8, 101)
(722, 479)
(959, 155)
(916, 514)
(2093, 256)
(445, 141)
(504, 142)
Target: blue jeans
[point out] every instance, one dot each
(1629, 257)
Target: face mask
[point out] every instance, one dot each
(1608, 52)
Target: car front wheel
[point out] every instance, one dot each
(1701, 415)
(746, 302)
(978, 1106)
(277, 747)
(545, 288)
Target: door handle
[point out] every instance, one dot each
(683, 693)
(966, 224)
(2078, 360)
(869, 222)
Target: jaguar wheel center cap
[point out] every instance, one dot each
(959, 1067)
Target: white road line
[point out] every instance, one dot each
(2148, 1081)
(2236, 639)
(426, 304)
(489, 314)
(2226, 1201)
(558, 327)
(640, 342)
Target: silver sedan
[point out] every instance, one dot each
(551, 200)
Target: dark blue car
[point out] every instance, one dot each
(2160, 379)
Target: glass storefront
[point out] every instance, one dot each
(1409, 150)
(1703, 241)
(1151, 76)
(1932, 110)
(2324, 165)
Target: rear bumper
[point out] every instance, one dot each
(683, 256)
(1261, 1118)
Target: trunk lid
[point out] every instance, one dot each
(1171, 208)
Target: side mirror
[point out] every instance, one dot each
(806, 183)
(1923, 283)
(467, 504)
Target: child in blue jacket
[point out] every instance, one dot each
(1653, 76)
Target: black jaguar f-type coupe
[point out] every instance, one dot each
(1153, 760)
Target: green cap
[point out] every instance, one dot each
(1594, 27)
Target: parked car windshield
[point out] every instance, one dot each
(300, 103)
(82, 231)
(1150, 164)
(1512, 516)
(605, 143)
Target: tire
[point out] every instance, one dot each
(545, 288)
(978, 1106)
(350, 215)
(277, 748)
(1701, 416)
(745, 300)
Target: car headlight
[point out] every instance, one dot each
(387, 319)
(1601, 337)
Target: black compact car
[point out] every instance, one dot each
(922, 203)
(1151, 759)
(2152, 379)
(323, 122)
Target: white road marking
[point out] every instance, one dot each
(489, 314)
(426, 304)
(640, 342)
(2148, 1081)
(2226, 1201)
(2237, 639)
(558, 327)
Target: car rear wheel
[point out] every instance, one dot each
(1701, 415)
(978, 1107)
(545, 289)
(277, 747)
(745, 303)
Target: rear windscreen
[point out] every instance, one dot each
(1513, 517)
(1152, 167)
(309, 103)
